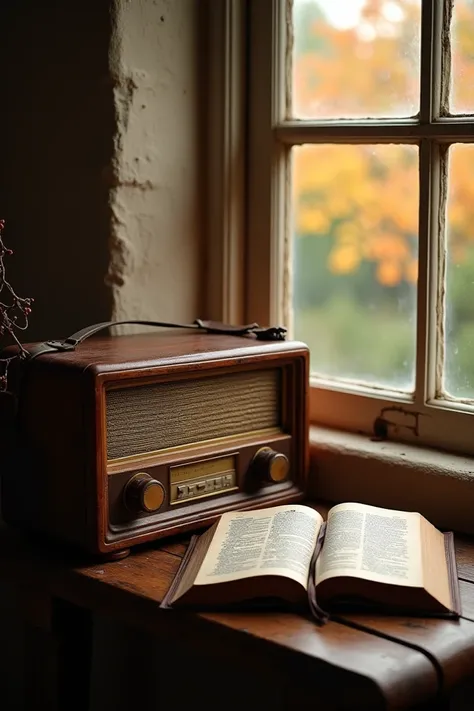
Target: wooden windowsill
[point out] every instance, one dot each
(352, 467)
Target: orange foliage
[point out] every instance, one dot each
(366, 196)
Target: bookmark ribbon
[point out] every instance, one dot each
(320, 616)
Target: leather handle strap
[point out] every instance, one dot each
(272, 333)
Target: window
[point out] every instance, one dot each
(361, 207)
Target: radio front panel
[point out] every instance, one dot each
(198, 482)
(180, 449)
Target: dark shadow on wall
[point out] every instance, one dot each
(56, 141)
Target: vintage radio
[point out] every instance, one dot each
(125, 439)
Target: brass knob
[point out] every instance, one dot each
(142, 493)
(269, 465)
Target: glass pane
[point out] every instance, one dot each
(356, 58)
(355, 260)
(459, 307)
(462, 53)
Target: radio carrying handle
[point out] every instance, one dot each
(271, 333)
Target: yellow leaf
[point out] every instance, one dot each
(344, 259)
(311, 220)
(389, 273)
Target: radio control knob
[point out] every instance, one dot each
(142, 493)
(269, 465)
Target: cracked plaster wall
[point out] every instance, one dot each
(154, 269)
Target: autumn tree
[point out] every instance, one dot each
(366, 196)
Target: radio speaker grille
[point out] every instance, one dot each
(154, 417)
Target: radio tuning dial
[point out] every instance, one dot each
(269, 465)
(143, 494)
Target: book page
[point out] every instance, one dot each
(273, 541)
(368, 542)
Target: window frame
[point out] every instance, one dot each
(224, 87)
(423, 419)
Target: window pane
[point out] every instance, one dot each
(459, 317)
(355, 264)
(462, 53)
(356, 58)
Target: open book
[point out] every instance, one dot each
(362, 557)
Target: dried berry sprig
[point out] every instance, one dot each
(14, 313)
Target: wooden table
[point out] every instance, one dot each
(230, 661)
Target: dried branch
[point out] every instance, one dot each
(14, 313)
